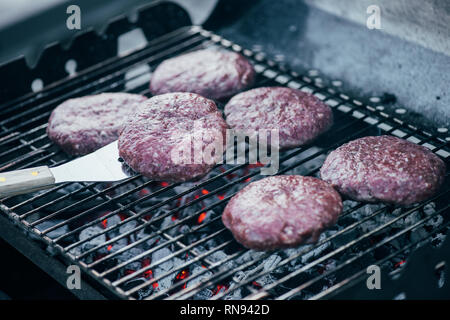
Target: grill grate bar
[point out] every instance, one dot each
(349, 244)
(348, 228)
(98, 70)
(86, 74)
(165, 229)
(82, 90)
(165, 235)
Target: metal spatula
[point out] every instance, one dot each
(100, 166)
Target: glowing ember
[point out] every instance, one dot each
(201, 217)
(105, 223)
(204, 191)
(164, 184)
(109, 247)
(398, 264)
(256, 284)
(221, 196)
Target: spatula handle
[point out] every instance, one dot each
(23, 181)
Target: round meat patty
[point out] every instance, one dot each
(281, 212)
(214, 74)
(384, 168)
(156, 140)
(299, 116)
(82, 125)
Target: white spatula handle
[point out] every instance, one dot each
(23, 181)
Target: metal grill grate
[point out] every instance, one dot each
(132, 236)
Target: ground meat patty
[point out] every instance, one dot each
(299, 116)
(82, 125)
(214, 74)
(282, 211)
(384, 168)
(165, 125)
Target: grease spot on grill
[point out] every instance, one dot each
(332, 103)
(256, 47)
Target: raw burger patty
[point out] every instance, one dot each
(282, 211)
(384, 168)
(164, 124)
(299, 116)
(82, 125)
(214, 74)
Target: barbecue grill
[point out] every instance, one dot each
(143, 239)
